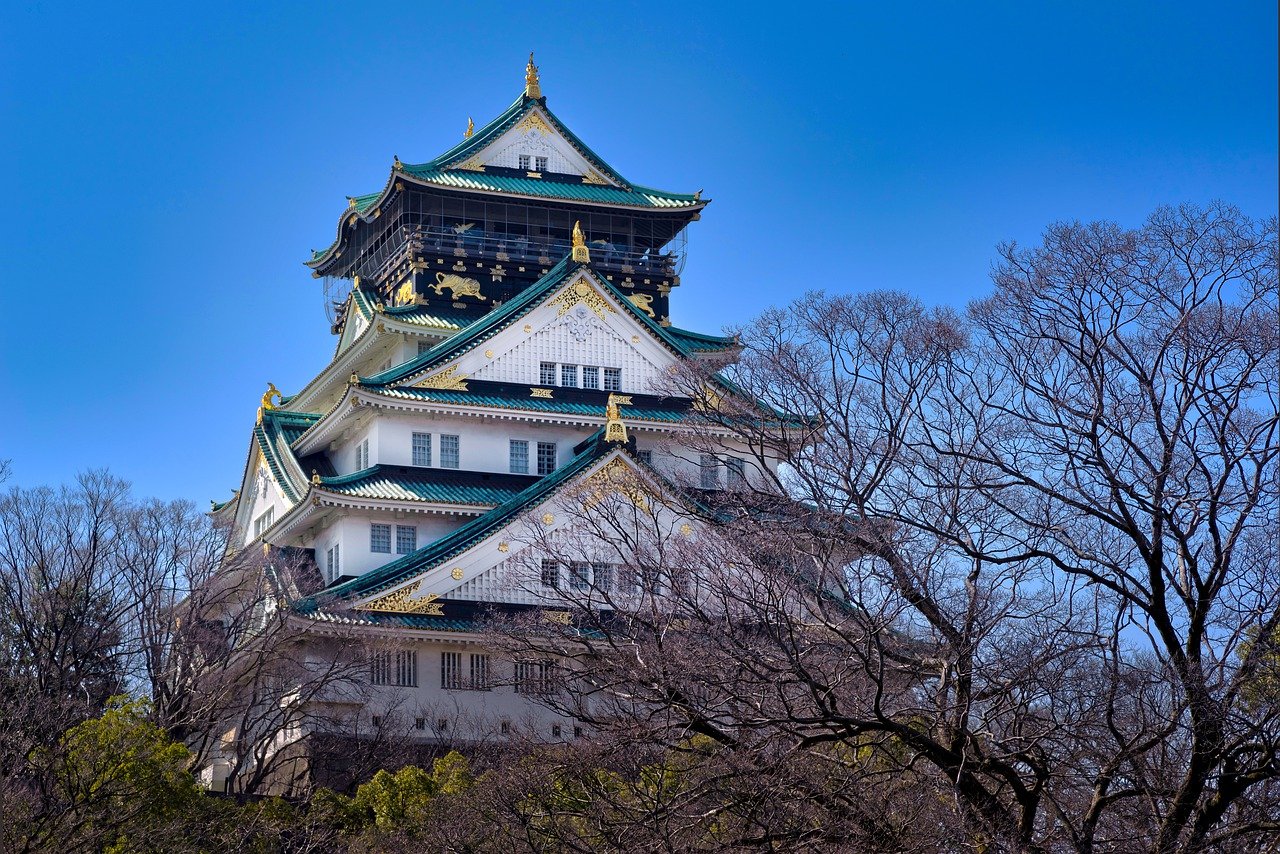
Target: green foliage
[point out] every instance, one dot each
(396, 802)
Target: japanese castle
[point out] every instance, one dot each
(503, 337)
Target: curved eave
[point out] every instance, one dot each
(361, 206)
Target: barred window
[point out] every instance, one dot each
(524, 160)
(362, 455)
(398, 668)
(613, 379)
(546, 457)
(380, 538)
(646, 457)
(550, 573)
(736, 468)
(547, 373)
(406, 674)
(540, 164)
(590, 376)
(579, 575)
(603, 576)
(535, 677)
(451, 670)
(479, 671)
(406, 539)
(448, 452)
(519, 456)
(422, 449)
(709, 471)
(332, 563)
(423, 346)
(263, 522)
(569, 376)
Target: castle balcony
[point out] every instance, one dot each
(476, 242)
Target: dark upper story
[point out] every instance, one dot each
(498, 210)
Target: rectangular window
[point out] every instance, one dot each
(736, 470)
(448, 452)
(603, 576)
(362, 455)
(534, 677)
(519, 456)
(422, 449)
(579, 575)
(524, 162)
(569, 376)
(646, 580)
(451, 670)
(709, 471)
(406, 539)
(613, 379)
(264, 521)
(332, 563)
(406, 674)
(423, 346)
(590, 376)
(646, 457)
(540, 164)
(479, 671)
(380, 668)
(547, 373)
(546, 457)
(380, 538)
(550, 573)
(419, 723)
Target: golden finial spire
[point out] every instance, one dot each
(471, 128)
(532, 88)
(614, 429)
(580, 251)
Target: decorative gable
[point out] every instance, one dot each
(533, 144)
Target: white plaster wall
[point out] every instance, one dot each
(483, 444)
(351, 532)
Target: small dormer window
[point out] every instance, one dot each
(525, 162)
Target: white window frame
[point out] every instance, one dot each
(456, 456)
(420, 459)
(385, 526)
(518, 463)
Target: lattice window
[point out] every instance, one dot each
(479, 671)
(569, 376)
(590, 376)
(519, 456)
(535, 677)
(448, 452)
(422, 449)
(613, 379)
(546, 457)
(406, 539)
(579, 575)
(709, 471)
(263, 522)
(380, 538)
(547, 373)
(550, 573)
(736, 469)
(451, 670)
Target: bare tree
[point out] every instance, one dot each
(1025, 559)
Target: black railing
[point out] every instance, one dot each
(475, 242)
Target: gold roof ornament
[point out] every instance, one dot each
(580, 251)
(532, 88)
(471, 128)
(272, 392)
(315, 477)
(395, 162)
(614, 429)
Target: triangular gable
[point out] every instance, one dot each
(534, 136)
(474, 556)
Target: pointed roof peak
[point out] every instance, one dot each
(532, 86)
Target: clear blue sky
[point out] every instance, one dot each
(167, 168)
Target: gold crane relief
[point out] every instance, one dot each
(644, 302)
(458, 286)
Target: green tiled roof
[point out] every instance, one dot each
(511, 311)
(391, 574)
(438, 486)
(487, 182)
(274, 433)
(566, 402)
(701, 342)
(443, 171)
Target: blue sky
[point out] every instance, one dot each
(167, 167)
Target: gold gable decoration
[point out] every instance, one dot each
(615, 478)
(447, 380)
(582, 292)
(402, 602)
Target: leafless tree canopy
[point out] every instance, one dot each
(1018, 588)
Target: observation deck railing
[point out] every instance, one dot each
(475, 242)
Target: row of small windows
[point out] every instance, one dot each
(472, 673)
(611, 578)
(533, 163)
(450, 447)
(263, 522)
(380, 538)
(592, 376)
